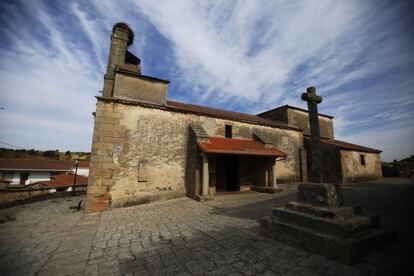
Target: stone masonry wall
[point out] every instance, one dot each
(300, 119)
(139, 153)
(353, 171)
(136, 88)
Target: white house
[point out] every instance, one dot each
(83, 168)
(22, 172)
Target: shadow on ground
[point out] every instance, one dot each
(393, 203)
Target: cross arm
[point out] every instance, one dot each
(311, 97)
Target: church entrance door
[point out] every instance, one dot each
(227, 173)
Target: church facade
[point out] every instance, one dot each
(146, 147)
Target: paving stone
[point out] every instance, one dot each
(184, 237)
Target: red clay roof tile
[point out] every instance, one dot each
(349, 146)
(237, 146)
(27, 164)
(44, 165)
(66, 180)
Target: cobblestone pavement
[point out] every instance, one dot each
(184, 237)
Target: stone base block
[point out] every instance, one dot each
(346, 250)
(204, 198)
(270, 190)
(341, 228)
(96, 206)
(338, 213)
(322, 194)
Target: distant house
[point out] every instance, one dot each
(83, 168)
(22, 172)
(64, 182)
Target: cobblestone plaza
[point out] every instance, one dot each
(185, 237)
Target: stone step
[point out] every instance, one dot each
(345, 250)
(341, 228)
(359, 223)
(339, 213)
(270, 190)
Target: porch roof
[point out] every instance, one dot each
(238, 146)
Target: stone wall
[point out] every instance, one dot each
(300, 119)
(138, 87)
(139, 154)
(353, 171)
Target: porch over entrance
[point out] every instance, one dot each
(237, 164)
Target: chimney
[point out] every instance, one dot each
(122, 37)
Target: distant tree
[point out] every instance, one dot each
(68, 154)
(51, 154)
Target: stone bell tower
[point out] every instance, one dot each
(122, 37)
(124, 89)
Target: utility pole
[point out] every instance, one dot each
(74, 180)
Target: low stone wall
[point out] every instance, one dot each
(9, 198)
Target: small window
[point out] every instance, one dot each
(229, 131)
(362, 159)
(143, 171)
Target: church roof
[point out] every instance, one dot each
(226, 114)
(205, 111)
(293, 107)
(238, 146)
(349, 146)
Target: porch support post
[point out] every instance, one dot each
(274, 179)
(205, 183)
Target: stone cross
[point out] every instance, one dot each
(313, 101)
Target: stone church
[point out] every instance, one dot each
(146, 147)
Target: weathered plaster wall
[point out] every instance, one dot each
(353, 171)
(140, 88)
(300, 119)
(126, 135)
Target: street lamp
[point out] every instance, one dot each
(74, 180)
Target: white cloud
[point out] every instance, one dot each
(47, 89)
(243, 55)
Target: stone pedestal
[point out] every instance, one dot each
(319, 223)
(321, 194)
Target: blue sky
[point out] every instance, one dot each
(246, 56)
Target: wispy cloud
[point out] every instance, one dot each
(247, 56)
